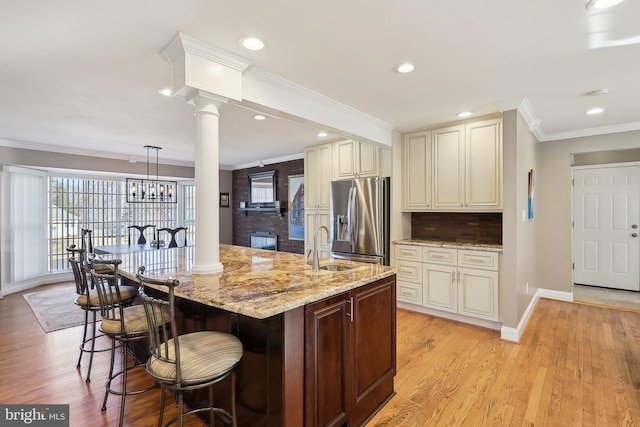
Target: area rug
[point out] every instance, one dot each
(55, 309)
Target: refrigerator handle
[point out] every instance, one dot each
(352, 213)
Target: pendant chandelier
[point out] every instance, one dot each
(151, 190)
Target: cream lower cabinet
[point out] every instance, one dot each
(453, 280)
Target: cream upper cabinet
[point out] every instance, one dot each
(459, 168)
(449, 168)
(416, 171)
(484, 165)
(355, 159)
(317, 176)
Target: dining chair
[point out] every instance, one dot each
(173, 231)
(141, 228)
(181, 363)
(124, 325)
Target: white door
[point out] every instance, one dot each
(606, 218)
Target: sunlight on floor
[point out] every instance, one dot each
(605, 296)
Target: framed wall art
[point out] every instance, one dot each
(296, 207)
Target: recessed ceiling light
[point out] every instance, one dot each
(260, 117)
(405, 68)
(252, 43)
(602, 4)
(322, 134)
(594, 111)
(165, 92)
(464, 114)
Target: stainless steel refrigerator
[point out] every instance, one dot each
(360, 219)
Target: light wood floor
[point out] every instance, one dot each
(576, 365)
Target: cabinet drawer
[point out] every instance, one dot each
(409, 271)
(440, 256)
(478, 259)
(409, 252)
(409, 292)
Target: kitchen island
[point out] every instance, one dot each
(319, 347)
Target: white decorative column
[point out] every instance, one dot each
(207, 256)
(208, 77)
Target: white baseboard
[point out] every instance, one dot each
(514, 334)
(35, 282)
(489, 324)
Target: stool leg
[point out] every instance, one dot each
(233, 398)
(84, 337)
(162, 396)
(110, 377)
(124, 381)
(93, 347)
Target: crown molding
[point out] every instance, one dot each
(255, 164)
(182, 43)
(85, 152)
(605, 130)
(535, 125)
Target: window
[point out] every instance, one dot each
(100, 205)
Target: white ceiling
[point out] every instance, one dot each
(86, 74)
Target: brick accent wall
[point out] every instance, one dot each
(265, 221)
(481, 228)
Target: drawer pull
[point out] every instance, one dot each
(477, 260)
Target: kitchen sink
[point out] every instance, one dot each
(337, 267)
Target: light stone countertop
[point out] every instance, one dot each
(450, 245)
(255, 282)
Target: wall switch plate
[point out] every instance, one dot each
(524, 215)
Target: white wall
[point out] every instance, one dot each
(519, 261)
(554, 193)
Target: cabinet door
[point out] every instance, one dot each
(317, 176)
(345, 155)
(440, 287)
(367, 162)
(327, 362)
(373, 344)
(449, 168)
(484, 165)
(312, 220)
(478, 294)
(416, 172)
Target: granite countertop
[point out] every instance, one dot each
(255, 282)
(451, 245)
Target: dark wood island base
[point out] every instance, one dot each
(319, 348)
(329, 363)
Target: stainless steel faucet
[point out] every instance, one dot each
(315, 258)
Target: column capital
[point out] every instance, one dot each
(205, 102)
(198, 65)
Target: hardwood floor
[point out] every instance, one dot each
(577, 365)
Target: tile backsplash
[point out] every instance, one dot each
(480, 228)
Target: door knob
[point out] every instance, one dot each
(634, 226)
(634, 234)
